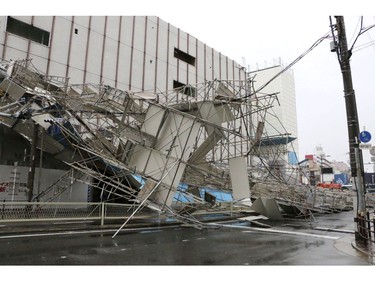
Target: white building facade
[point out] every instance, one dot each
(130, 53)
(280, 123)
(136, 53)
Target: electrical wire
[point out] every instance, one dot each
(364, 46)
(316, 43)
(359, 22)
(361, 31)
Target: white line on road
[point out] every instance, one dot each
(246, 230)
(335, 230)
(295, 233)
(251, 229)
(71, 222)
(77, 232)
(55, 233)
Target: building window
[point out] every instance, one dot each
(184, 56)
(186, 90)
(27, 31)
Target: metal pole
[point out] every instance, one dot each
(31, 174)
(40, 165)
(360, 186)
(14, 181)
(145, 199)
(102, 214)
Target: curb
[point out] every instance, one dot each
(364, 251)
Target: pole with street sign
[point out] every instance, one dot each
(355, 153)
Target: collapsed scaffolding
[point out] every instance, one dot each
(146, 147)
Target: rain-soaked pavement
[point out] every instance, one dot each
(287, 243)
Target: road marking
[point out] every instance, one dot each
(71, 222)
(246, 230)
(335, 230)
(80, 232)
(55, 233)
(296, 233)
(252, 229)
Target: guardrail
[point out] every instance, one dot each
(366, 225)
(366, 221)
(58, 211)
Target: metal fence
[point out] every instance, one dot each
(366, 226)
(366, 221)
(59, 211)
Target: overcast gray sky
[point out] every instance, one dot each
(266, 30)
(261, 31)
(260, 38)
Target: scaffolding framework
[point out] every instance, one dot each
(111, 138)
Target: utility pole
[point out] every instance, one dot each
(356, 158)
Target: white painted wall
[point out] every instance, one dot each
(149, 52)
(78, 192)
(285, 114)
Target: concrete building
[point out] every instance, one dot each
(130, 53)
(136, 53)
(318, 169)
(280, 124)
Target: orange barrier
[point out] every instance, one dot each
(330, 185)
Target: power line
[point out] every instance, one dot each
(316, 43)
(364, 46)
(361, 31)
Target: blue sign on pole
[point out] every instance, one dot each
(365, 136)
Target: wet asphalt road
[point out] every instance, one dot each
(292, 243)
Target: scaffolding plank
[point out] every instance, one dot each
(239, 178)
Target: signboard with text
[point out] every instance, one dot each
(364, 145)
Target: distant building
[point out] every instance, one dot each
(311, 170)
(317, 169)
(281, 122)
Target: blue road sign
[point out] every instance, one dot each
(364, 136)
